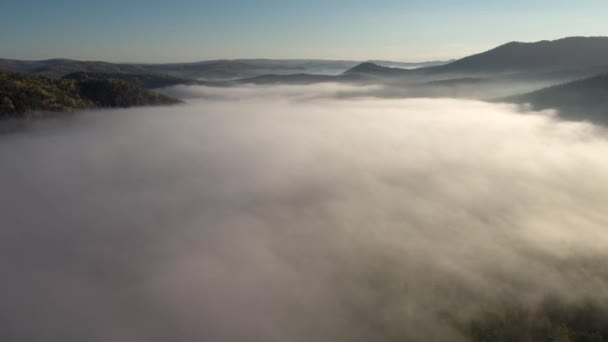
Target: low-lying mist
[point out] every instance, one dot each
(284, 214)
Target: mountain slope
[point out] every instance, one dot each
(548, 62)
(580, 100)
(574, 55)
(573, 52)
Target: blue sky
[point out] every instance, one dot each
(187, 30)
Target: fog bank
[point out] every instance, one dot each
(283, 214)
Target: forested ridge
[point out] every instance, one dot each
(585, 99)
(23, 95)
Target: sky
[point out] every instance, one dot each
(189, 30)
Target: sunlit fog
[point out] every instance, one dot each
(296, 213)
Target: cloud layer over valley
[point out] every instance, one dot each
(285, 214)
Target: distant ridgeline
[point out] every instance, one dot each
(575, 69)
(24, 96)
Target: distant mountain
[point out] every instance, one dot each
(408, 65)
(580, 100)
(62, 67)
(299, 79)
(576, 54)
(296, 66)
(567, 53)
(563, 59)
(13, 65)
(261, 67)
(214, 70)
(359, 73)
(23, 96)
(372, 69)
(208, 70)
(296, 79)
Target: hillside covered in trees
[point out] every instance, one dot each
(23, 96)
(580, 100)
(148, 81)
(551, 320)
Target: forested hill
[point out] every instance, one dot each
(148, 81)
(580, 100)
(23, 96)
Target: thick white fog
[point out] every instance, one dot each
(285, 214)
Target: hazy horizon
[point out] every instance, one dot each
(233, 59)
(189, 31)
